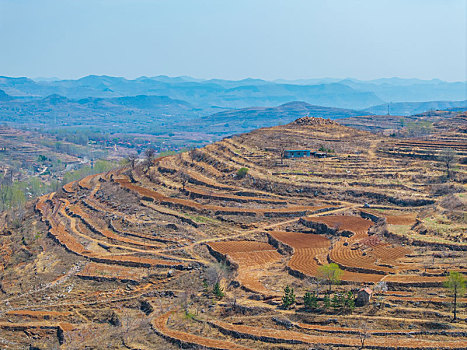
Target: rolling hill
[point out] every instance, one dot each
(246, 119)
(118, 114)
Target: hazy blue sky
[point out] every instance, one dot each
(235, 39)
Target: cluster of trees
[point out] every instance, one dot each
(328, 274)
(419, 128)
(99, 166)
(14, 194)
(340, 302)
(448, 158)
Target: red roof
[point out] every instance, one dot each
(366, 290)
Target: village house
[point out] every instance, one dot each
(364, 296)
(297, 153)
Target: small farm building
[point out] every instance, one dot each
(364, 296)
(300, 153)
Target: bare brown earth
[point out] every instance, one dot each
(128, 259)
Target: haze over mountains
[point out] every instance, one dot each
(146, 104)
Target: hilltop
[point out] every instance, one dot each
(196, 249)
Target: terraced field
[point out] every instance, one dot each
(129, 258)
(309, 250)
(252, 260)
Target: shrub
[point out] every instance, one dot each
(241, 173)
(325, 150)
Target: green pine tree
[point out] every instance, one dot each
(335, 302)
(341, 298)
(310, 300)
(292, 297)
(326, 302)
(289, 297)
(218, 291)
(350, 301)
(206, 286)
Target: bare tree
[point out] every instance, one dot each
(186, 298)
(149, 153)
(214, 273)
(282, 150)
(184, 178)
(191, 154)
(132, 160)
(363, 334)
(317, 283)
(447, 156)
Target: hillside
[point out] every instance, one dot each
(423, 124)
(409, 108)
(246, 119)
(190, 251)
(118, 114)
(4, 96)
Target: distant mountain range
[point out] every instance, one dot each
(204, 94)
(158, 104)
(400, 90)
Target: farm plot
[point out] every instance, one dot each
(40, 314)
(88, 182)
(252, 259)
(394, 218)
(355, 224)
(69, 187)
(359, 252)
(461, 146)
(309, 250)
